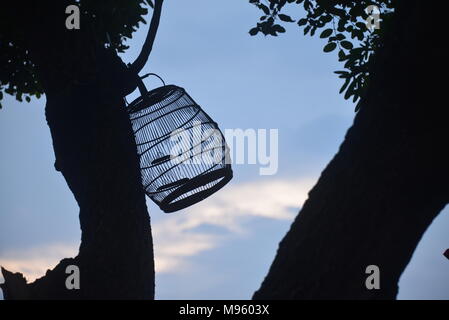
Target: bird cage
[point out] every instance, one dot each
(183, 154)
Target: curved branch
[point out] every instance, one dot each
(139, 63)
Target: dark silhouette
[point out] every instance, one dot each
(371, 205)
(389, 179)
(84, 84)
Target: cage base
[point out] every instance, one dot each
(168, 204)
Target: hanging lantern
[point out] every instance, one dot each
(183, 154)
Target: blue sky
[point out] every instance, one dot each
(222, 247)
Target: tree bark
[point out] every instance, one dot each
(386, 184)
(95, 151)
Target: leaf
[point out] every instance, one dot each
(27, 98)
(307, 5)
(302, 21)
(341, 55)
(350, 90)
(264, 8)
(346, 44)
(341, 25)
(306, 29)
(278, 28)
(357, 107)
(326, 18)
(254, 31)
(344, 86)
(330, 47)
(285, 18)
(326, 33)
(361, 26)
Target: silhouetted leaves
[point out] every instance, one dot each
(302, 22)
(253, 31)
(346, 44)
(343, 25)
(264, 8)
(119, 19)
(341, 55)
(330, 47)
(278, 28)
(285, 18)
(326, 33)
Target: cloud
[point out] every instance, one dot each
(35, 261)
(180, 236)
(177, 236)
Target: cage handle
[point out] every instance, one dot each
(143, 90)
(153, 74)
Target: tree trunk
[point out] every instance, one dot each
(386, 184)
(95, 151)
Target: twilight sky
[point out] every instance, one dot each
(222, 247)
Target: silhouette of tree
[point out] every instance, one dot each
(371, 204)
(84, 82)
(389, 179)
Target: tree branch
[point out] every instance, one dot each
(139, 63)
